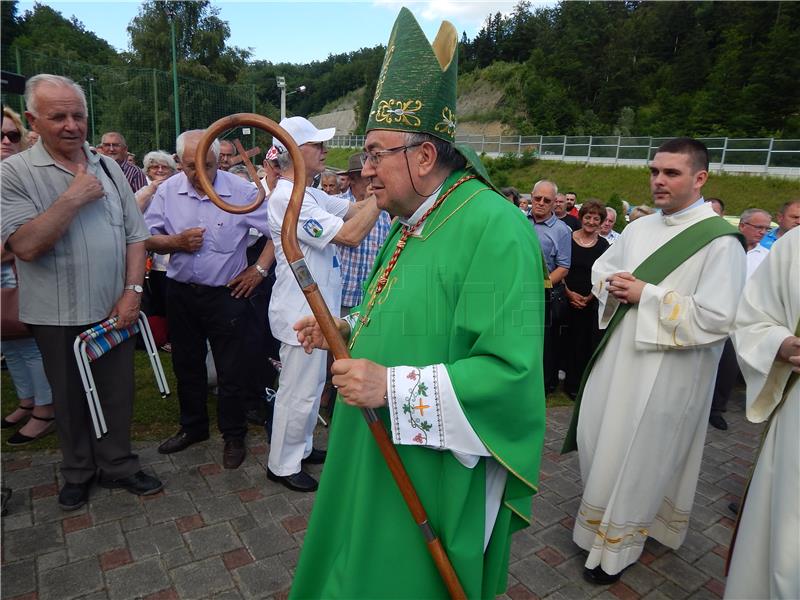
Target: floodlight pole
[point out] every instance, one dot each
(90, 80)
(171, 16)
(282, 85)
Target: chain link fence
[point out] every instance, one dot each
(139, 103)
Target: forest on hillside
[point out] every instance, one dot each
(629, 68)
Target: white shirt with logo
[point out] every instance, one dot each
(321, 218)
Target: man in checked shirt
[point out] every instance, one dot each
(357, 261)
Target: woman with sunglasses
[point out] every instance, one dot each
(35, 410)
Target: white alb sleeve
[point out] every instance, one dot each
(425, 411)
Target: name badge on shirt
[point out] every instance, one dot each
(313, 228)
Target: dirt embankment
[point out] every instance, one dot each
(343, 120)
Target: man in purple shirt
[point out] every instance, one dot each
(114, 146)
(208, 281)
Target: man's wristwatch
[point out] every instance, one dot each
(135, 287)
(260, 269)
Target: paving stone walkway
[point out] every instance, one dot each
(214, 533)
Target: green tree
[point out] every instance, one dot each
(200, 40)
(45, 31)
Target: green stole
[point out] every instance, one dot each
(654, 270)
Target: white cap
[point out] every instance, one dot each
(302, 131)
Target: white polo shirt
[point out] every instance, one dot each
(755, 258)
(321, 218)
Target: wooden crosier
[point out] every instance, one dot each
(296, 260)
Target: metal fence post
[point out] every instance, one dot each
(519, 145)
(564, 148)
(19, 72)
(616, 156)
(769, 155)
(253, 143)
(589, 152)
(155, 109)
(724, 151)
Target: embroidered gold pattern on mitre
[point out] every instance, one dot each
(382, 78)
(448, 122)
(399, 111)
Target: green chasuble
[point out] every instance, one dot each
(466, 292)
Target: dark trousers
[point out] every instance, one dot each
(154, 302)
(553, 319)
(579, 345)
(83, 454)
(727, 374)
(260, 344)
(197, 313)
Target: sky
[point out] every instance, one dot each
(298, 32)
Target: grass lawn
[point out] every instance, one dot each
(154, 418)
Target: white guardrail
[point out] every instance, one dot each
(756, 156)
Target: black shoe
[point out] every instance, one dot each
(20, 439)
(140, 483)
(734, 507)
(234, 453)
(299, 482)
(317, 457)
(9, 424)
(599, 577)
(718, 422)
(180, 441)
(74, 495)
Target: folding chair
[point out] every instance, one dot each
(95, 342)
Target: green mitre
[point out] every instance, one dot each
(416, 89)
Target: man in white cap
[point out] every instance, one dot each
(324, 222)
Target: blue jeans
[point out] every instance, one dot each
(24, 359)
(27, 371)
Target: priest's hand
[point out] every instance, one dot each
(309, 333)
(625, 287)
(360, 382)
(789, 352)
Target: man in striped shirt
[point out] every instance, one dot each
(114, 146)
(357, 261)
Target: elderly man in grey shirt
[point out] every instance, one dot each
(70, 217)
(555, 238)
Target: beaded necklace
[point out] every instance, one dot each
(364, 319)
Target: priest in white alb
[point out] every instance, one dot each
(765, 561)
(667, 290)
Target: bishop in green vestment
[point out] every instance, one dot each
(446, 346)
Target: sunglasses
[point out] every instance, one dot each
(13, 136)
